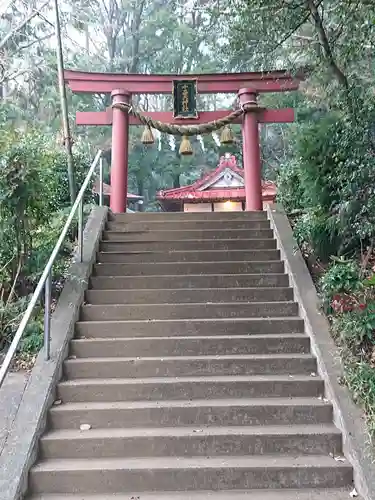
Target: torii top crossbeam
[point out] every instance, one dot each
(105, 83)
(246, 85)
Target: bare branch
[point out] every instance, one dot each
(5, 7)
(22, 24)
(291, 32)
(13, 76)
(37, 40)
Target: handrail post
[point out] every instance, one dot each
(101, 182)
(47, 316)
(80, 231)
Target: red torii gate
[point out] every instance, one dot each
(246, 85)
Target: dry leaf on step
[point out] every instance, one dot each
(85, 427)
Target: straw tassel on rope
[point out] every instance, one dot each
(147, 136)
(185, 146)
(227, 136)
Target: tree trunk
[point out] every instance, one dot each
(135, 27)
(325, 45)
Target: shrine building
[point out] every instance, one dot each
(221, 190)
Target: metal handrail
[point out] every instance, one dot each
(46, 278)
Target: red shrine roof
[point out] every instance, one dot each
(226, 182)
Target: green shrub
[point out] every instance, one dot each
(331, 180)
(342, 277)
(54, 175)
(10, 316)
(318, 232)
(32, 340)
(320, 161)
(290, 192)
(355, 330)
(355, 334)
(359, 377)
(44, 239)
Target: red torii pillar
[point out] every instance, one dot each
(120, 153)
(252, 164)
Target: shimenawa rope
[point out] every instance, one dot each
(186, 130)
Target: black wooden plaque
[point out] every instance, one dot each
(185, 99)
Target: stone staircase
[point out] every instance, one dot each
(190, 375)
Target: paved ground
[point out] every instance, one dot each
(11, 395)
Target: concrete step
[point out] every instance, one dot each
(188, 256)
(224, 244)
(182, 366)
(191, 346)
(192, 441)
(280, 494)
(189, 281)
(173, 268)
(190, 234)
(186, 225)
(179, 296)
(185, 328)
(194, 374)
(184, 216)
(187, 311)
(221, 412)
(184, 474)
(215, 387)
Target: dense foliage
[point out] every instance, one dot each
(34, 198)
(331, 183)
(326, 178)
(348, 294)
